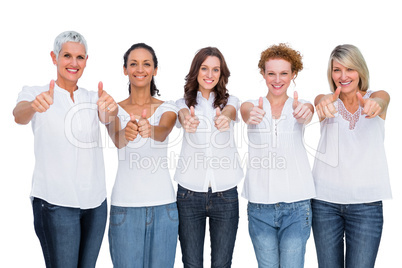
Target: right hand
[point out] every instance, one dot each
(326, 108)
(191, 121)
(43, 101)
(257, 113)
(131, 130)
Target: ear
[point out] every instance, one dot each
(155, 71)
(125, 70)
(54, 58)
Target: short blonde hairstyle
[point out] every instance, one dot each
(350, 57)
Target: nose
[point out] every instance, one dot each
(74, 61)
(344, 75)
(277, 78)
(209, 73)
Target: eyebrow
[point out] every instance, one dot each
(137, 60)
(212, 67)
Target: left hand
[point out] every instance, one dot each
(222, 122)
(144, 127)
(106, 103)
(301, 111)
(370, 106)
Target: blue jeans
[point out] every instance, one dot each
(279, 233)
(222, 208)
(143, 236)
(360, 224)
(70, 237)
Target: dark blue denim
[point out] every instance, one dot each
(70, 237)
(359, 224)
(222, 209)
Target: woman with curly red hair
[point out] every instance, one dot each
(278, 183)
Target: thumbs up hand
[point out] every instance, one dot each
(131, 129)
(43, 101)
(325, 107)
(222, 122)
(257, 113)
(144, 127)
(191, 121)
(301, 111)
(370, 106)
(106, 103)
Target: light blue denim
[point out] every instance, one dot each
(143, 236)
(279, 233)
(360, 225)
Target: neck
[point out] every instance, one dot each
(140, 96)
(205, 92)
(69, 86)
(277, 100)
(349, 97)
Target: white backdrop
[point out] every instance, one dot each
(176, 30)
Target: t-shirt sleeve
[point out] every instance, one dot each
(180, 104)
(169, 106)
(235, 102)
(29, 93)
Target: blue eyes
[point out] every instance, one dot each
(206, 69)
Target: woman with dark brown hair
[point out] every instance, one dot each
(208, 169)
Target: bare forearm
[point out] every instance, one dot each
(160, 133)
(23, 112)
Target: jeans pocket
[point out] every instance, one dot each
(117, 215)
(183, 193)
(172, 212)
(230, 195)
(374, 204)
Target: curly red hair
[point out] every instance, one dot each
(281, 51)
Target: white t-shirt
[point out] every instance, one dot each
(350, 165)
(278, 169)
(69, 168)
(143, 177)
(208, 157)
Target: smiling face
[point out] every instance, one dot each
(70, 63)
(344, 77)
(209, 73)
(140, 68)
(278, 75)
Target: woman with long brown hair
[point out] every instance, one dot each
(208, 169)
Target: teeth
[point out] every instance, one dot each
(140, 76)
(72, 70)
(208, 81)
(345, 83)
(277, 86)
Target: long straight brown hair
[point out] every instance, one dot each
(191, 86)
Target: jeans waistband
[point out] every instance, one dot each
(283, 205)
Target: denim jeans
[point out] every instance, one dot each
(360, 224)
(222, 208)
(143, 236)
(70, 237)
(279, 233)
